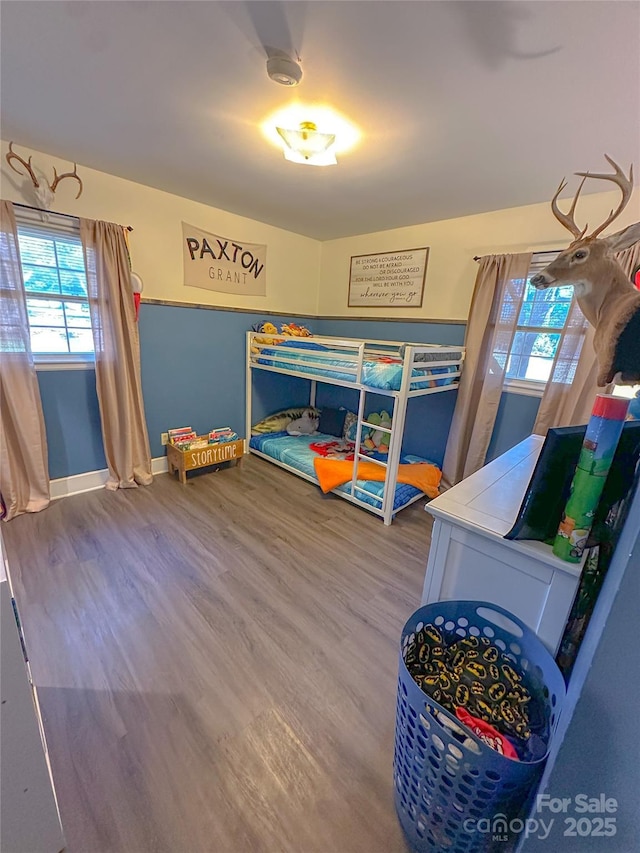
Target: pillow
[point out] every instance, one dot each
(350, 426)
(332, 421)
(278, 421)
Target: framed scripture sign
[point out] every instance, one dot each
(388, 279)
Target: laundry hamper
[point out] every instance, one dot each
(465, 797)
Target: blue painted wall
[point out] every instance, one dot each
(388, 330)
(193, 373)
(193, 370)
(72, 421)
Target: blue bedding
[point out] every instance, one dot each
(295, 452)
(383, 373)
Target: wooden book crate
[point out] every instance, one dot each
(203, 457)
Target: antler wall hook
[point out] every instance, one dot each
(44, 191)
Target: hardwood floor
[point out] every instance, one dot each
(217, 662)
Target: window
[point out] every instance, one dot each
(539, 327)
(55, 285)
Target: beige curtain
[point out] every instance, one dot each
(497, 298)
(24, 477)
(117, 353)
(570, 391)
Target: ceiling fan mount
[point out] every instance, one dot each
(283, 70)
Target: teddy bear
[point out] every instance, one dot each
(266, 328)
(377, 439)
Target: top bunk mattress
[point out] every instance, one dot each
(378, 371)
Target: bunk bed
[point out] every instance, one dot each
(399, 371)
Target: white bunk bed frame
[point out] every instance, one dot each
(355, 351)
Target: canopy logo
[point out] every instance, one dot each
(218, 263)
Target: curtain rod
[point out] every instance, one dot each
(539, 252)
(55, 213)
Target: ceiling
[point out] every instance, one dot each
(463, 107)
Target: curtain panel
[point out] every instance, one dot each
(497, 299)
(24, 475)
(117, 355)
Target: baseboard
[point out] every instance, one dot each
(159, 465)
(89, 481)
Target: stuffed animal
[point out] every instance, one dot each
(266, 328)
(294, 330)
(377, 439)
(306, 424)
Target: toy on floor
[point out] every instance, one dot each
(377, 439)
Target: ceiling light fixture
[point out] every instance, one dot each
(308, 145)
(283, 70)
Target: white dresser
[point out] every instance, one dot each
(470, 560)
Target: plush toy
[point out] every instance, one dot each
(294, 330)
(306, 424)
(266, 328)
(377, 439)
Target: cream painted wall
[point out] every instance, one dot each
(293, 261)
(305, 276)
(451, 270)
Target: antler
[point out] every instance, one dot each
(619, 178)
(567, 218)
(11, 155)
(57, 178)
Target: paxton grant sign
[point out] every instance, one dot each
(217, 263)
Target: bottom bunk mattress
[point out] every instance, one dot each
(296, 452)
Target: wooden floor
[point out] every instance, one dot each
(217, 662)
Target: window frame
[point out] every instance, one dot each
(55, 227)
(533, 387)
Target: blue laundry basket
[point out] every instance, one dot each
(459, 797)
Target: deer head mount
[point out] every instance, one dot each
(44, 191)
(605, 294)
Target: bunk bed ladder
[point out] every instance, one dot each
(393, 459)
(398, 415)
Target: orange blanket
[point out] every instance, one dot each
(334, 472)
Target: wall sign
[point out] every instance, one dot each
(218, 263)
(388, 279)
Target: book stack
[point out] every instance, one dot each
(182, 437)
(222, 434)
(185, 438)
